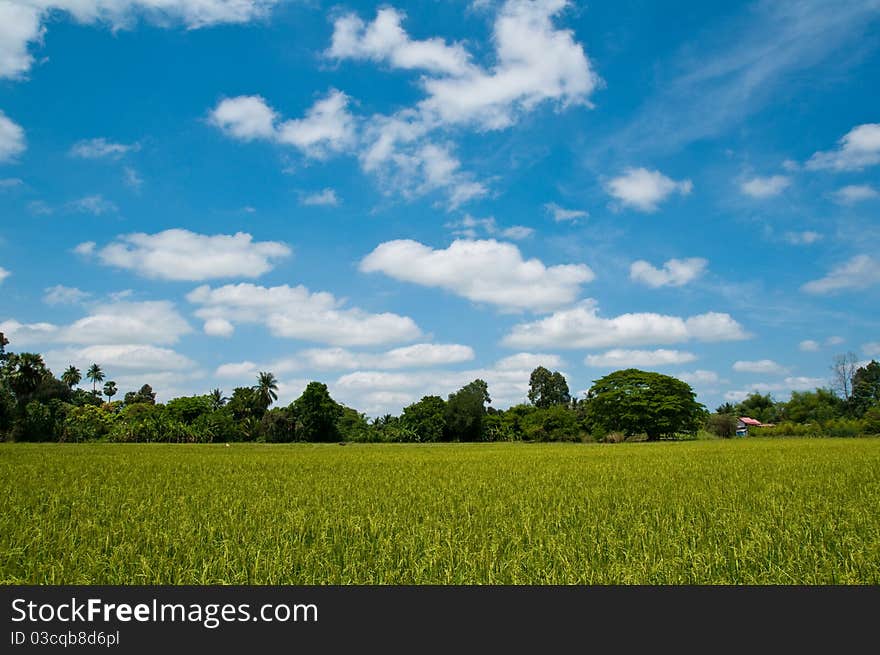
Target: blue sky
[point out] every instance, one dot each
(396, 199)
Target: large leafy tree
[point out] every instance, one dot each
(547, 389)
(316, 414)
(759, 406)
(95, 374)
(24, 372)
(71, 376)
(145, 396)
(465, 410)
(865, 388)
(635, 402)
(427, 418)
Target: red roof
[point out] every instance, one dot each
(750, 421)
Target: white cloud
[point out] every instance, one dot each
(62, 295)
(561, 215)
(805, 238)
(327, 126)
(626, 358)
(218, 327)
(129, 357)
(809, 345)
(116, 323)
(860, 272)
(834, 341)
(39, 208)
(12, 141)
(385, 41)
(296, 313)
(765, 187)
(340, 359)
(643, 190)
(4, 274)
(101, 148)
(85, 248)
(529, 361)
(482, 271)
(765, 366)
(871, 349)
(582, 327)
(859, 148)
(10, 183)
(323, 198)
(785, 388)
(699, 377)
(95, 204)
(854, 193)
(471, 228)
(22, 21)
(183, 255)
(675, 272)
(132, 178)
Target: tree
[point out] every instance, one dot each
(110, 389)
(465, 410)
(813, 406)
(71, 377)
(843, 369)
(218, 400)
(24, 372)
(760, 407)
(547, 389)
(267, 385)
(316, 414)
(635, 402)
(865, 388)
(726, 408)
(95, 374)
(145, 395)
(426, 418)
(246, 403)
(722, 425)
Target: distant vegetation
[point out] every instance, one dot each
(624, 405)
(784, 511)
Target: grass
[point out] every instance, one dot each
(750, 511)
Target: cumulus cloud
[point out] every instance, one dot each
(699, 377)
(618, 358)
(805, 238)
(675, 272)
(128, 357)
(482, 271)
(871, 349)
(765, 187)
(858, 149)
(562, 215)
(767, 366)
(23, 23)
(62, 295)
(853, 193)
(132, 178)
(219, 327)
(323, 198)
(808, 345)
(115, 323)
(12, 141)
(297, 313)
(183, 255)
(644, 190)
(341, 359)
(4, 274)
(100, 148)
(785, 387)
(860, 272)
(582, 327)
(326, 127)
(96, 205)
(10, 183)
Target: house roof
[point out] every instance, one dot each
(750, 421)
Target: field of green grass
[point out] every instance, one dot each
(802, 511)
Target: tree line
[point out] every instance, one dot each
(626, 404)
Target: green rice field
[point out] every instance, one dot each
(747, 511)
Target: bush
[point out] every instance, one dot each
(88, 423)
(722, 425)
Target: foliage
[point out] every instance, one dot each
(812, 407)
(187, 409)
(144, 395)
(465, 410)
(554, 423)
(865, 388)
(88, 423)
(722, 425)
(547, 389)
(634, 402)
(426, 418)
(760, 407)
(317, 414)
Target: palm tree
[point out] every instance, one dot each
(71, 377)
(217, 399)
(267, 386)
(95, 374)
(110, 389)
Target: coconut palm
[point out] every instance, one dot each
(71, 377)
(267, 386)
(95, 374)
(217, 399)
(110, 389)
